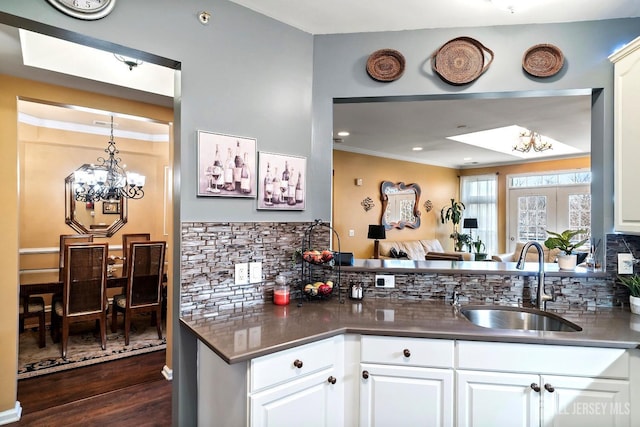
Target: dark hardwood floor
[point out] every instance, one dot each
(124, 392)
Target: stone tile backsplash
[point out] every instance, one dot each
(210, 250)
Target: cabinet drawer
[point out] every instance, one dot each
(420, 351)
(544, 359)
(279, 367)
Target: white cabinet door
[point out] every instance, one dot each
(497, 399)
(626, 137)
(585, 402)
(405, 396)
(312, 401)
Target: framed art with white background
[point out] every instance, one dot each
(281, 181)
(226, 165)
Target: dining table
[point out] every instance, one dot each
(47, 282)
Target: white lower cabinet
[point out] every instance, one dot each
(497, 399)
(596, 393)
(391, 381)
(410, 382)
(300, 386)
(312, 401)
(400, 395)
(585, 402)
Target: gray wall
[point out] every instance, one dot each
(339, 72)
(243, 74)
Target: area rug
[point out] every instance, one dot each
(84, 348)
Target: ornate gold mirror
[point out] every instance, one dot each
(400, 206)
(103, 218)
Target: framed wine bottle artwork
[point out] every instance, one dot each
(281, 181)
(226, 165)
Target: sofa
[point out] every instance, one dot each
(420, 250)
(532, 254)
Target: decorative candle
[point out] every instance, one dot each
(281, 291)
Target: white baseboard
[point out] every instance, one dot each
(11, 415)
(167, 373)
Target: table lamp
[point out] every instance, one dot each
(376, 232)
(470, 223)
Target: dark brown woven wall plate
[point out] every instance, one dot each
(543, 60)
(461, 60)
(385, 65)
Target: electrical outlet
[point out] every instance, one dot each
(352, 233)
(385, 281)
(625, 264)
(242, 273)
(255, 272)
(385, 315)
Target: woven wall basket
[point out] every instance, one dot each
(543, 60)
(385, 65)
(461, 60)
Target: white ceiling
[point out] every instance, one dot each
(392, 129)
(355, 16)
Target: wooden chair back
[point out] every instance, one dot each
(144, 287)
(67, 239)
(85, 281)
(126, 243)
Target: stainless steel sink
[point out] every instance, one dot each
(528, 319)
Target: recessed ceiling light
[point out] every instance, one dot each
(417, 148)
(343, 133)
(466, 159)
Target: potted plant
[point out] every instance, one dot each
(453, 213)
(479, 248)
(633, 284)
(461, 240)
(564, 242)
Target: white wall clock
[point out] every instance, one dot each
(84, 9)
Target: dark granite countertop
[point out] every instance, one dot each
(466, 267)
(242, 334)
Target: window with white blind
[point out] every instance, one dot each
(480, 197)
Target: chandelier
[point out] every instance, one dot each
(531, 141)
(107, 180)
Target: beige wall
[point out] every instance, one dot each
(12, 89)
(438, 184)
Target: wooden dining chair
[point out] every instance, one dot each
(144, 286)
(30, 307)
(84, 291)
(66, 239)
(126, 242)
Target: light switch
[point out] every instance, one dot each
(242, 273)
(352, 233)
(255, 272)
